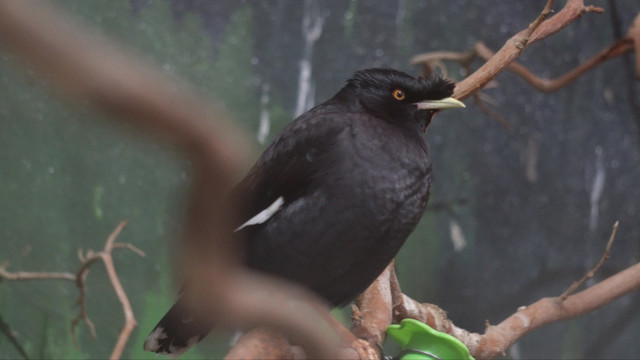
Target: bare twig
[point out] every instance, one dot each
(79, 278)
(33, 275)
(487, 110)
(511, 50)
(544, 14)
(498, 338)
(6, 330)
(130, 321)
(619, 48)
(592, 272)
(572, 10)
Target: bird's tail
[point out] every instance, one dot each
(176, 332)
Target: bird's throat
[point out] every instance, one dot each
(424, 118)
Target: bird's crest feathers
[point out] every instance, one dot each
(433, 88)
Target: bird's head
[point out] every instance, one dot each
(399, 97)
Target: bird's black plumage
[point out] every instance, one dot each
(332, 199)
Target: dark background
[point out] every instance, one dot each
(530, 208)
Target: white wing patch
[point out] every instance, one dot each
(265, 214)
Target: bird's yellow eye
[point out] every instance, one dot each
(398, 94)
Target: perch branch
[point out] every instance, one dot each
(514, 47)
(498, 338)
(371, 311)
(621, 47)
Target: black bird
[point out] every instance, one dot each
(333, 198)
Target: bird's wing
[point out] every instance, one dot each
(286, 168)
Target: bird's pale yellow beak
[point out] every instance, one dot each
(446, 103)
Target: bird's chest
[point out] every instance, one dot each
(382, 181)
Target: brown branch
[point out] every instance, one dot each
(548, 310)
(505, 58)
(619, 48)
(592, 272)
(79, 278)
(371, 312)
(33, 275)
(293, 310)
(569, 14)
(511, 50)
(130, 321)
(498, 338)
(477, 99)
(263, 343)
(544, 14)
(86, 260)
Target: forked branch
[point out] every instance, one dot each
(79, 279)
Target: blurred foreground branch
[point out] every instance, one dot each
(133, 92)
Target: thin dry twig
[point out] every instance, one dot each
(544, 14)
(619, 48)
(605, 255)
(6, 330)
(498, 338)
(33, 275)
(623, 46)
(79, 278)
(512, 49)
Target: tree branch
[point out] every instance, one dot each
(505, 57)
(79, 278)
(498, 338)
(6, 330)
(592, 272)
(33, 275)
